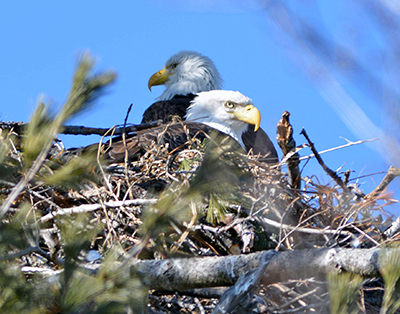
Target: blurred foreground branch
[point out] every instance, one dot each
(44, 126)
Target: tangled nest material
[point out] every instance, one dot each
(200, 200)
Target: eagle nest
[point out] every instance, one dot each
(202, 199)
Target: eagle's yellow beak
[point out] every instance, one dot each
(249, 114)
(159, 78)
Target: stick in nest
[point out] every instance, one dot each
(329, 171)
(19, 128)
(288, 146)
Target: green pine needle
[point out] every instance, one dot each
(344, 290)
(390, 270)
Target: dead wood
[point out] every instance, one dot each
(181, 274)
(190, 273)
(92, 207)
(329, 171)
(20, 127)
(242, 291)
(316, 240)
(392, 173)
(288, 146)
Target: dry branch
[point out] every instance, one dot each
(265, 212)
(288, 146)
(191, 273)
(349, 143)
(243, 289)
(392, 173)
(306, 230)
(92, 207)
(329, 171)
(19, 128)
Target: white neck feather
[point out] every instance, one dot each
(224, 129)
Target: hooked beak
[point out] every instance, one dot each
(249, 114)
(159, 78)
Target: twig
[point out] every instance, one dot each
(126, 158)
(92, 207)
(192, 246)
(98, 158)
(184, 235)
(298, 298)
(330, 172)
(349, 143)
(365, 234)
(392, 173)
(19, 128)
(45, 272)
(305, 230)
(45, 199)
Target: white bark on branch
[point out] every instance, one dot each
(183, 274)
(92, 207)
(204, 272)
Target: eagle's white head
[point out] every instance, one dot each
(186, 72)
(227, 111)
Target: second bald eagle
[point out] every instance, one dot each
(184, 75)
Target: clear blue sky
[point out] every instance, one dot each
(255, 54)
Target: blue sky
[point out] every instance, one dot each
(254, 47)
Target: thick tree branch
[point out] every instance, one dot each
(190, 273)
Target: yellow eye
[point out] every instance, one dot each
(229, 104)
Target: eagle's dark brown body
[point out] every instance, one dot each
(165, 109)
(176, 135)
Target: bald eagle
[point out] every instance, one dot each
(184, 75)
(228, 112)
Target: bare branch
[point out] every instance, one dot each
(92, 207)
(19, 127)
(349, 143)
(330, 172)
(184, 273)
(392, 173)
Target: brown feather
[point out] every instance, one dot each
(176, 135)
(165, 109)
